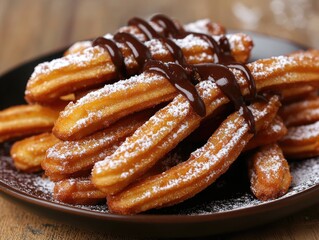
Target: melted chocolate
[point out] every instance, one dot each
(170, 29)
(183, 76)
(180, 79)
(223, 55)
(140, 52)
(227, 59)
(175, 51)
(213, 45)
(176, 74)
(145, 27)
(228, 84)
(115, 53)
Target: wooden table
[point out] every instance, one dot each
(29, 28)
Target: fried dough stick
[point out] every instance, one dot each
(67, 158)
(93, 66)
(77, 191)
(301, 113)
(27, 154)
(269, 173)
(203, 167)
(107, 105)
(25, 120)
(301, 141)
(295, 94)
(83, 191)
(205, 26)
(173, 123)
(273, 133)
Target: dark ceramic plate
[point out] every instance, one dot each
(225, 206)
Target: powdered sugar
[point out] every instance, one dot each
(190, 41)
(269, 169)
(44, 185)
(264, 68)
(276, 127)
(305, 175)
(156, 47)
(226, 198)
(143, 139)
(80, 59)
(198, 26)
(144, 80)
(237, 41)
(67, 149)
(303, 132)
(78, 46)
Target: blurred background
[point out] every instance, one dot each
(32, 27)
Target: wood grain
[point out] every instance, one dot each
(29, 28)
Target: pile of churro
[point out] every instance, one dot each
(101, 120)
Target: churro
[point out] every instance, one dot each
(301, 141)
(95, 65)
(269, 173)
(203, 167)
(24, 120)
(78, 191)
(110, 103)
(299, 93)
(273, 133)
(28, 153)
(177, 120)
(302, 112)
(66, 158)
(163, 82)
(83, 191)
(205, 26)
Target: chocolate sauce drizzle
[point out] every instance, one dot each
(115, 53)
(140, 52)
(170, 29)
(179, 78)
(182, 75)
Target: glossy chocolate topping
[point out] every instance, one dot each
(180, 79)
(115, 53)
(175, 51)
(226, 58)
(145, 27)
(182, 75)
(228, 84)
(170, 28)
(140, 52)
(222, 55)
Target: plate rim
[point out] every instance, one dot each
(159, 218)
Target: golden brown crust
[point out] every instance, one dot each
(269, 173)
(125, 172)
(25, 120)
(82, 191)
(203, 26)
(301, 141)
(93, 66)
(28, 153)
(110, 103)
(105, 106)
(203, 167)
(273, 133)
(299, 93)
(301, 113)
(66, 158)
(78, 191)
(177, 120)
